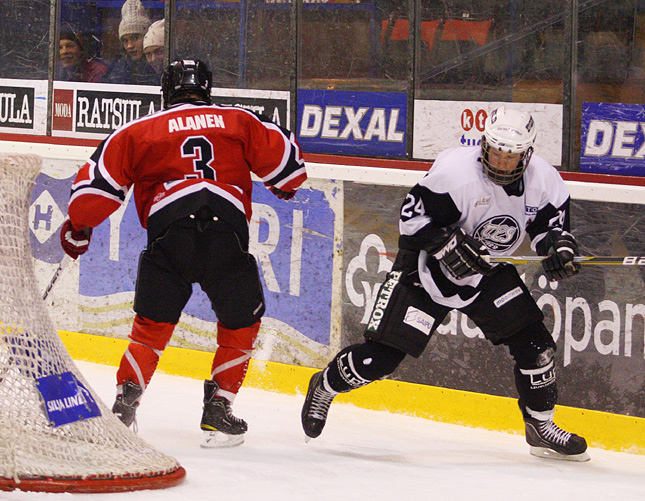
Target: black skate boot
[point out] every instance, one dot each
(316, 406)
(221, 427)
(127, 401)
(548, 440)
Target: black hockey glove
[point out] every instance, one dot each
(559, 263)
(461, 254)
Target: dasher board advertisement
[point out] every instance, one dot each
(294, 243)
(439, 125)
(613, 139)
(93, 111)
(23, 106)
(596, 317)
(352, 123)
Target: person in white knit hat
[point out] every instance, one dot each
(132, 67)
(153, 45)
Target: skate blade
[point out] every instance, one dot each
(544, 453)
(219, 440)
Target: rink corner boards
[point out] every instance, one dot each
(601, 429)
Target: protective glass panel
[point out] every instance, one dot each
(104, 42)
(269, 47)
(24, 39)
(247, 44)
(354, 45)
(609, 113)
(610, 45)
(393, 48)
(497, 51)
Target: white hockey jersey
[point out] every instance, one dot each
(457, 193)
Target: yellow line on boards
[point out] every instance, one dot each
(601, 429)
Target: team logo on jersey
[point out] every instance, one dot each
(498, 233)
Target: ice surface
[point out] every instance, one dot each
(361, 455)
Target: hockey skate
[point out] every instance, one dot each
(127, 401)
(548, 440)
(221, 427)
(315, 408)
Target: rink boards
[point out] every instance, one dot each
(322, 258)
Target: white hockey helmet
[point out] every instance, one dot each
(511, 132)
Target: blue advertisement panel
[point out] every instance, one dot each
(292, 241)
(295, 244)
(352, 123)
(613, 140)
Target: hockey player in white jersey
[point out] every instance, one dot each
(474, 202)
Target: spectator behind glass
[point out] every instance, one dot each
(76, 65)
(132, 67)
(153, 45)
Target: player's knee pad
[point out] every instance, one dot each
(534, 351)
(360, 364)
(154, 334)
(242, 339)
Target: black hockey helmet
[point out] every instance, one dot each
(186, 81)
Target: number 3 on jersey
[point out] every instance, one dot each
(200, 150)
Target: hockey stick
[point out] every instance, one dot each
(61, 265)
(592, 260)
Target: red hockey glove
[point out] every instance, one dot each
(281, 194)
(75, 242)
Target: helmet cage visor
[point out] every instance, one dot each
(493, 159)
(507, 144)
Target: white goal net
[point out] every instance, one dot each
(56, 435)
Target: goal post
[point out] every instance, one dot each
(56, 435)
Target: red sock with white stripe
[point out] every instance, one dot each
(139, 362)
(232, 357)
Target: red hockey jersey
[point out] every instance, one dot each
(182, 158)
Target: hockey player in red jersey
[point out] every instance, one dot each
(474, 202)
(189, 167)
